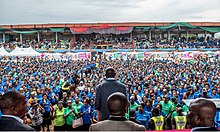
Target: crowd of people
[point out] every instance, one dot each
(123, 42)
(178, 43)
(60, 91)
(43, 44)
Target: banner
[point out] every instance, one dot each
(194, 54)
(68, 56)
(83, 56)
(189, 55)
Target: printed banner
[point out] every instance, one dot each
(189, 55)
(69, 56)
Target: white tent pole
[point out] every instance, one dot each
(56, 37)
(187, 34)
(150, 33)
(3, 37)
(205, 34)
(38, 36)
(168, 35)
(20, 37)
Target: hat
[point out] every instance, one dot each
(69, 101)
(33, 92)
(204, 89)
(21, 89)
(164, 89)
(60, 102)
(166, 97)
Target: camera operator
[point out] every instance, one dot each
(36, 116)
(204, 94)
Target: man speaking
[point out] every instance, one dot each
(104, 90)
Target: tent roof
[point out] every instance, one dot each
(24, 52)
(57, 29)
(3, 52)
(180, 24)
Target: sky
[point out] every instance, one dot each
(104, 11)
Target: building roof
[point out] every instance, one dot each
(63, 25)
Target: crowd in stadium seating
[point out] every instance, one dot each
(115, 43)
(121, 43)
(179, 43)
(44, 44)
(55, 87)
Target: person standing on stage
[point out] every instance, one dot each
(103, 91)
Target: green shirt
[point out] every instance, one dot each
(133, 106)
(174, 114)
(174, 106)
(185, 108)
(61, 82)
(55, 107)
(59, 119)
(77, 106)
(166, 108)
(71, 116)
(127, 116)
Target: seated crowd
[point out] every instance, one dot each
(119, 43)
(58, 91)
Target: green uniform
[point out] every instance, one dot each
(77, 106)
(166, 108)
(185, 108)
(133, 106)
(174, 106)
(59, 119)
(71, 116)
(174, 114)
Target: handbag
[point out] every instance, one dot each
(78, 122)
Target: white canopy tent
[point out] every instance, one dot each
(3, 52)
(24, 52)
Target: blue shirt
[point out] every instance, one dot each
(181, 91)
(143, 118)
(87, 116)
(3, 91)
(89, 94)
(148, 109)
(95, 115)
(141, 93)
(191, 96)
(217, 119)
(39, 97)
(163, 114)
(216, 96)
(196, 94)
(46, 106)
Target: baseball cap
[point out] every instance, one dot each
(69, 101)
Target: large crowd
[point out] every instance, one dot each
(122, 42)
(55, 88)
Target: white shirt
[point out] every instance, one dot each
(110, 78)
